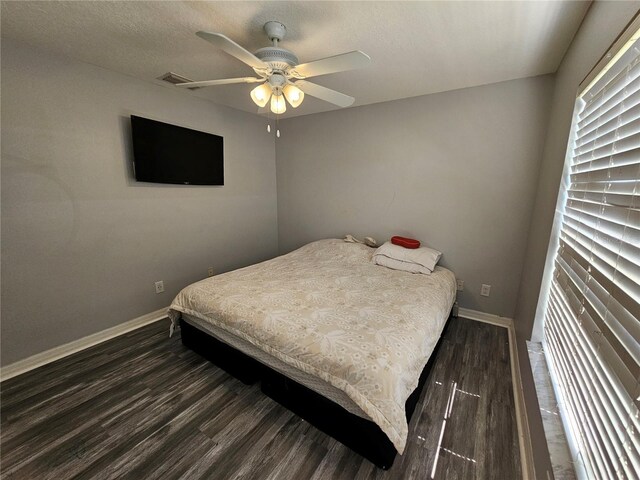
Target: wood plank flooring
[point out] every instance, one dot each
(142, 406)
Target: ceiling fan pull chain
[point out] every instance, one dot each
(268, 121)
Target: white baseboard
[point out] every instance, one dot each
(67, 349)
(485, 317)
(524, 434)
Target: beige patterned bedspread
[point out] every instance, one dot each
(328, 311)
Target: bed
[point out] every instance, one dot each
(338, 340)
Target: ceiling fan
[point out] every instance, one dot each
(279, 73)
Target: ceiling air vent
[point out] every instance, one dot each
(174, 78)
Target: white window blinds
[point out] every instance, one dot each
(592, 316)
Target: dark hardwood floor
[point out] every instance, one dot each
(142, 406)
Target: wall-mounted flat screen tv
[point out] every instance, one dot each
(164, 153)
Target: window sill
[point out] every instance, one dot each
(551, 420)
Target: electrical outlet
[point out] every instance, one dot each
(485, 290)
(460, 284)
(159, 286)
(210, 271)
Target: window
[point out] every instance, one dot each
(592, 314)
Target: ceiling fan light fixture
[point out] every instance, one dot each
(261, 94)
(293, 94)
(278, 105)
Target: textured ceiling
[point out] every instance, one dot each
(416, 47)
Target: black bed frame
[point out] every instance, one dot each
(361, 435)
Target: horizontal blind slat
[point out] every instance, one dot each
(626, 233)
(585, 354)
(607, 282)
(607, 144)
(613, 174)
(559, 373)
(630, 113)
(618, 254)
(626, 77)
(618, 398)
(596, 434)
(609, 423)
(616, 147)
(626, 187)
(608, 110)
(612, 426)
(600, 198)
(614, 333)
(569, 402)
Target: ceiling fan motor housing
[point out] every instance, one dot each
(277, 58)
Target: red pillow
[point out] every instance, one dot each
(405, 242)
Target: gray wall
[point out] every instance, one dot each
(601, 26)
(82, 243)
(456, 170)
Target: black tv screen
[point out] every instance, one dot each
(164, 153)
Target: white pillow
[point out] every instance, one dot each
(425, 256)
(394, 264)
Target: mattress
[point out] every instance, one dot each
(327, 311)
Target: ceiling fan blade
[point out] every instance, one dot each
(338, 63)
(324, 93)
(232, 48)
(223, 81)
